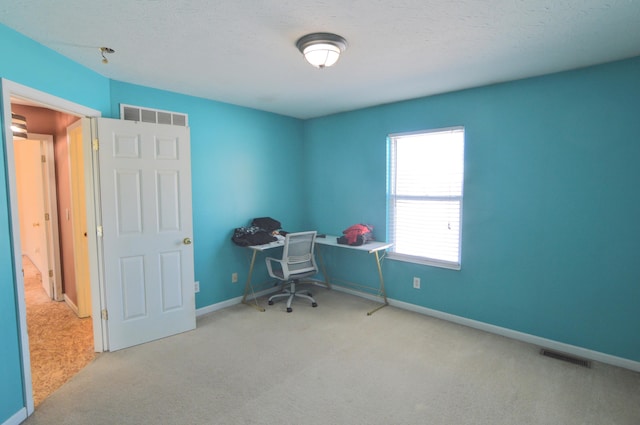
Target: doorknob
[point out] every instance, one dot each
(186, 241)
(36, 224)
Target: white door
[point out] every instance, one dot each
(31, 204)
(145, 196)
(51, 215)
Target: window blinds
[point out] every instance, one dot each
(426, 174)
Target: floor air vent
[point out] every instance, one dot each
(565, 358)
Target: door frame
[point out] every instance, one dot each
(12, 89)
(79, 227)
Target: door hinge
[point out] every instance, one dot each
(105, 314)
(46, 217)
(99, 231)
(96, 144)
(44, 158)
(50, 273)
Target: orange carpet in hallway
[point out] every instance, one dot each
(60, 343)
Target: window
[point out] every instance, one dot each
(426, 173)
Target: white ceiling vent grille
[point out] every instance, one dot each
(156, 116)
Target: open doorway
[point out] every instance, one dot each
(31, 97)
(59, 323)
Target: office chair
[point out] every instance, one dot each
(298, 262)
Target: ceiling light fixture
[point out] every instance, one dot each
(18, 127)
(321, 49)
(104, 50)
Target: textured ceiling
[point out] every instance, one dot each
(243, 51)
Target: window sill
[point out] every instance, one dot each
(422, 260)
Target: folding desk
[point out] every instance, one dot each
(373, 247)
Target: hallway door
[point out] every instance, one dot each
(35, 184)
(145, 196)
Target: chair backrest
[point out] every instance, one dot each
(298, 252)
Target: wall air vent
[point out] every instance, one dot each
(155, 116)
(565, 358)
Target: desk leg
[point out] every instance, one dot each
(327, 280)
(247, 285)
(383, 292)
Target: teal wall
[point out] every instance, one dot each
(551, 203)
(550, 196)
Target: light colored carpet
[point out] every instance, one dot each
(60, 344)
(335, 365)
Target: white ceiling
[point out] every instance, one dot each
(243, 51)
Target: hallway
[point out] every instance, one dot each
(60, 343)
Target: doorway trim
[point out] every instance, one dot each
(12, 89)
(77, 161)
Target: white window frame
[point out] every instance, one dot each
(394, 199)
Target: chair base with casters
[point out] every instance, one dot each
(290, 293)
(298, 262)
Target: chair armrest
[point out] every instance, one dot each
(269, 261)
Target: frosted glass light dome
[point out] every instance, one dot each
(321, 49)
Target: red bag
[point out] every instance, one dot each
(358, 234)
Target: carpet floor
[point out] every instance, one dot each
(335, 365)
(60, 344)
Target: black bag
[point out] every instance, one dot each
(266, 223)
(249, 236)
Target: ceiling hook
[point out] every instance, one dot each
(104, 50)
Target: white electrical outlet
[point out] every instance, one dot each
(234, 277)
(196, 287)
(416, 282)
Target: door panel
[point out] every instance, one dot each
(133, 287)
(128, 198)
(145, 190)
(168, 195)
(170, 270)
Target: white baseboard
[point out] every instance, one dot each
(233, 301)
(219, 306)
(17, 418)
(509, 333)
(71, 304)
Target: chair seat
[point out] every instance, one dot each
(299, 276)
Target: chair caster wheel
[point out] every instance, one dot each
(289, 309)
(270, 302)
(314, 305)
